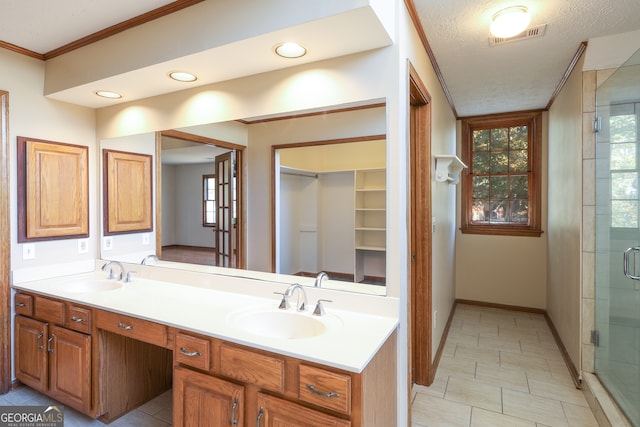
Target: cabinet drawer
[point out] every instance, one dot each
(48, 310)
(79, 319)
(324, 388)
(192, 351)
(249, 367)
(141, 330)
(24, 304)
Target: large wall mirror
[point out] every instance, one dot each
(254, 225)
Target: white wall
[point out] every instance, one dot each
(188, 204)
(336, 207)
(32, 115)
(298, 224)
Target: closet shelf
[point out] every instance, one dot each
(371, 248)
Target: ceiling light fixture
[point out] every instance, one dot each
(290, 50)
(510, 21)
(182, 76)
(108, 94)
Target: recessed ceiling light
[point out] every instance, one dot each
(181, 76)
(108, 94)
(510, 21)
(290, 50)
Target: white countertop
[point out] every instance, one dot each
(209, 307)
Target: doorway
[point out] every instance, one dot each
(421, 233)
(221, 200)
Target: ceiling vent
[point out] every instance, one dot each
(529, 33)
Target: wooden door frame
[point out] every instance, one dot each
(241, 226)
(5, 248)
(420, 353)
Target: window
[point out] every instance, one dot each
(501, 189)
(209, 200)
(623, 137)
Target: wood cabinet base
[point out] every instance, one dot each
(130, 373)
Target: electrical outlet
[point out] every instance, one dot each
(107, 243)
(83, 246)
(28, 251)
(145, 238)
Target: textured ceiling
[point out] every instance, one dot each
(518, 75)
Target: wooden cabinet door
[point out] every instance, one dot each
(201, 400)
(274, 412)
(30, 352)
(70, 368)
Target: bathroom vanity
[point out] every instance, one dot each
(104, 347)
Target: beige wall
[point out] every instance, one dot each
(443, 141)
(505, 269)
(32, 115)
(564, 220)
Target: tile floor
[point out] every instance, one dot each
(156, 413)
(500, 368)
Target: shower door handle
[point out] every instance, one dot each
(625, 264)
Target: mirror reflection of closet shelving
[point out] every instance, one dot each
(370, 225)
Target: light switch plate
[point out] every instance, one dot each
(107, 243)
(28, 251)
(83, 246)
(145, 239)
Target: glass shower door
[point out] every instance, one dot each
(617, 307)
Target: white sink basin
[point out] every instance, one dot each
(279, 324)
(89, 286)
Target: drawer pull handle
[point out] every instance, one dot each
(313, 390)
(234, 408)
(260, 415)
(40, 335)
(184, 351)
(125, 327)
(21, 304)
(77, 319)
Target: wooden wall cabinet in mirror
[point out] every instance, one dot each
(53, 190)
(127, 192)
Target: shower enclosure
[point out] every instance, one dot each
(617, 308)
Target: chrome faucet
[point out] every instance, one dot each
(300, 306)
(319, 277)
(111, 275)
(151, 257)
